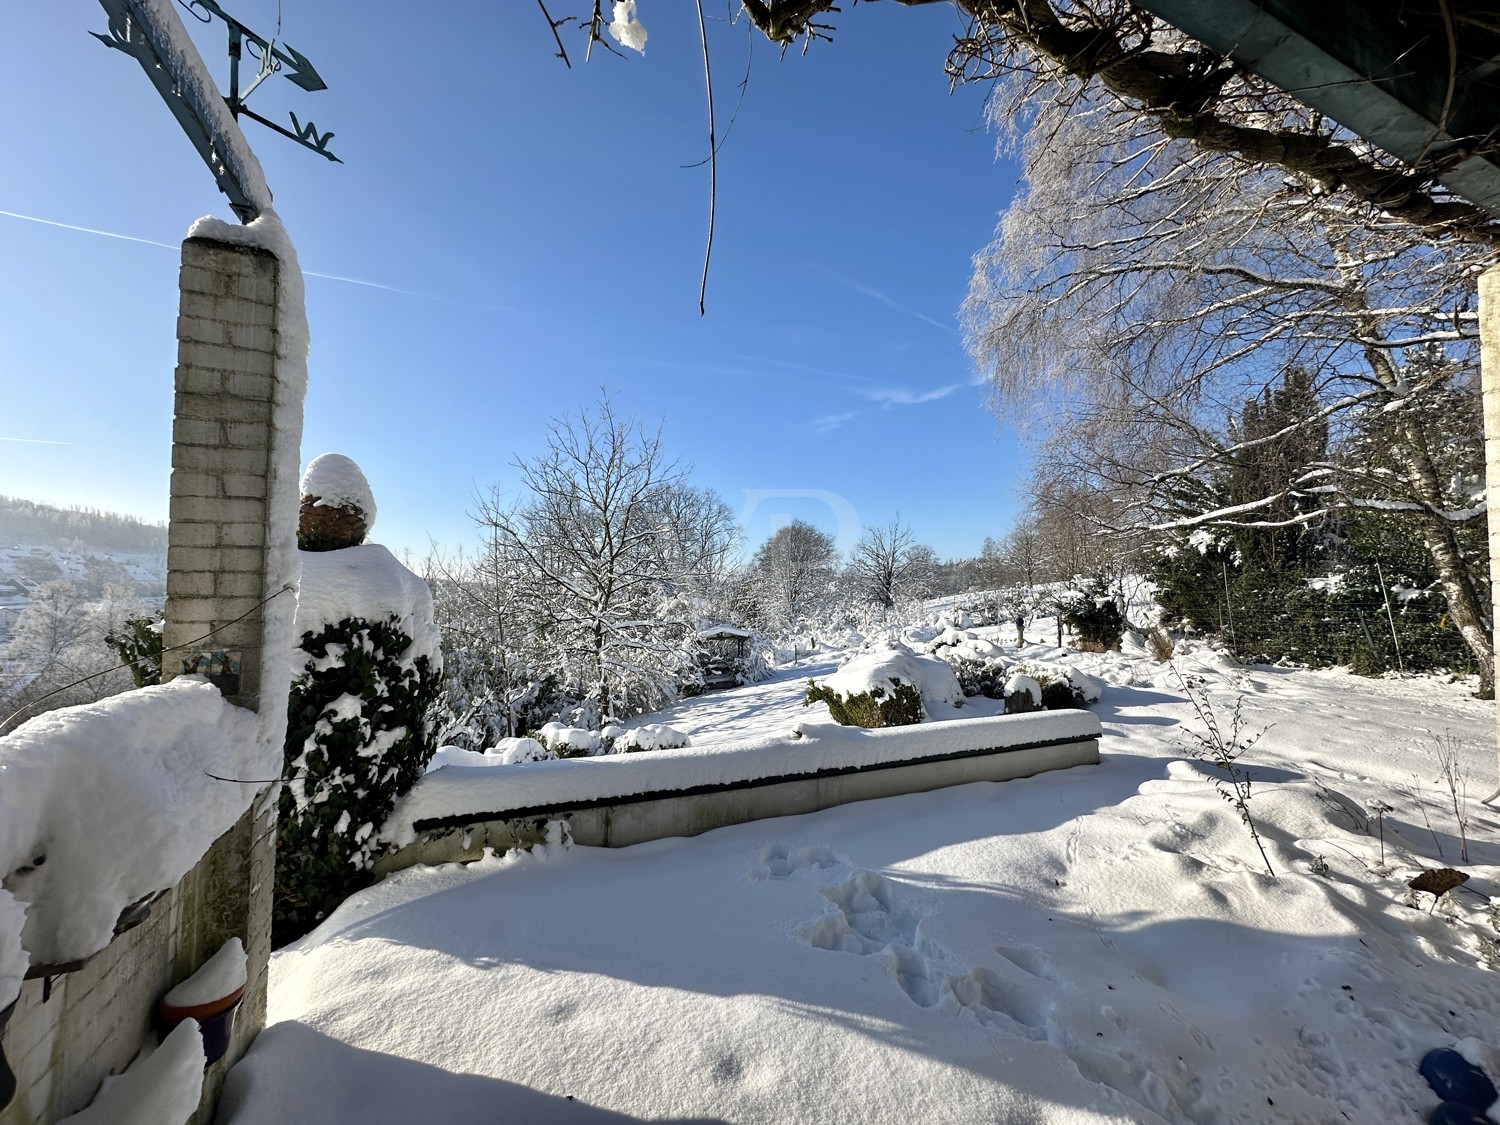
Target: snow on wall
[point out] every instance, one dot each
(338, 482)
(115, 799)
(369, 582)
(809, 748)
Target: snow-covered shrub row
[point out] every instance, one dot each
(106, 803)
(365, 675)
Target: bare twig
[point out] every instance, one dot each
(713, 160)
(562, 52)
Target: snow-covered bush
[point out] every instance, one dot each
(1095, 617)
(569, 742)
(365, 676)
(650, 736)
(886, 687)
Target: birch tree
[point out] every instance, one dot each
(1139, 291)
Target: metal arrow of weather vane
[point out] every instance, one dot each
(134, 30)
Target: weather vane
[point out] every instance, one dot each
(136, 29)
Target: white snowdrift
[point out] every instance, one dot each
(162, 1087)
(809, 748)
(103, 804)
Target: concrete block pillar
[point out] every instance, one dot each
(1489, 336)
(219, 544)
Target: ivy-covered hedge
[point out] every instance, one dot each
(357, 738)
(901, 706)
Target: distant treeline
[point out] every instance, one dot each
(25, 521)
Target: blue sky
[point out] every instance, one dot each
(516, 235)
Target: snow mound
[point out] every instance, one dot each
(651, 736)
(506, 752)
(897, 663)
(338, 482)
(104, 804)
(556, 736)
(162, 1087)
(368, 582)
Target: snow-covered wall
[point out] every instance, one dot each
(618, 799)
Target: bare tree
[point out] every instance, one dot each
(1139, 292)
(889, 565)
(591, 537)
(792, 571)
(1181, 89)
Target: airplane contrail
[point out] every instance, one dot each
(170, 246)
(35, 441)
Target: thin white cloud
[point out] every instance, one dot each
(171, 246)
(884, 298)
(900, 396)
(831, 422)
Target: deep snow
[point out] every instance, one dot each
(1098, 944)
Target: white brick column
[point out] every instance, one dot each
(221, 443)
(218, 544)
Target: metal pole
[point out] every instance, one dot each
(1395, 640)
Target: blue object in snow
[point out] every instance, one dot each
(1455, 1079)
(1456, 1113)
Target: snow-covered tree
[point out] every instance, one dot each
(790, 574)
(1139, 292)
(888, 566)
(612, 545)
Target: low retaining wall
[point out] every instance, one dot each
(457, 812)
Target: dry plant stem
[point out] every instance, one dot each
(1421, 804)
(1458, 790)
(1222, 751)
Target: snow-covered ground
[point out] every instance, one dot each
(1097, 944)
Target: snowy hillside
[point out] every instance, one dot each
(1101, 944)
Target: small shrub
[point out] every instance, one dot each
(901, 706)
(1096, 619)
(138, 644)
(977, 676)
(1058, 692)
(1059, 695)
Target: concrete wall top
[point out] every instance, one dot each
(456, 795)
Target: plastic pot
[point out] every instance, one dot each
(215, 1021)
